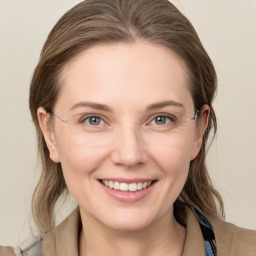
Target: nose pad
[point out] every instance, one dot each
(129, 149)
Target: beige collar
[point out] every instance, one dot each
(64, 239)
(194, 243)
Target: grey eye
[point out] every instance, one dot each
(161, 120)
(93, 120)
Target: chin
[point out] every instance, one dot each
(128, 220)
(128, 225)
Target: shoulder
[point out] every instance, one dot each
(232, 240)
(32, 250)
(6, 251)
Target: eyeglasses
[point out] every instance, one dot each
(195, 117)
(89, 122)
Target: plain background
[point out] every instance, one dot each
(228, 32)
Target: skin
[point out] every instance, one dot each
(128, 143)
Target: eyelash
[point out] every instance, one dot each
(171, 118)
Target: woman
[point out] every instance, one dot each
(122, 103)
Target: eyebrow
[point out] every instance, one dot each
(92, 105)
(164, 104)
(106, 108)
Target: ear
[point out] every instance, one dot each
(48, 132)
(201, 124)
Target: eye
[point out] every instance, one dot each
(162, 120)
(93, 120)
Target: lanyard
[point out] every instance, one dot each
(207, 231)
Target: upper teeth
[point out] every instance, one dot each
(126, 186)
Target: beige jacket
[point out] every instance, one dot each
(230, 239)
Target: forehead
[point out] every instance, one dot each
(125, 73)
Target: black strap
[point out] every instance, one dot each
(207, 231)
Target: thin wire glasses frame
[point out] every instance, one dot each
(195, 117)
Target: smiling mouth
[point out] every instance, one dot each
(122, 186)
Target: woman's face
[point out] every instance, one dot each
(127, 107)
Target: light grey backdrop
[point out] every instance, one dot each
(227, 30)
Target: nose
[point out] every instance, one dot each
(128, 148)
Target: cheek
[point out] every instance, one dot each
(172, 156)
(79, 161)
(172, 152)
(175, 165)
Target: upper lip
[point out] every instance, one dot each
(125, 180)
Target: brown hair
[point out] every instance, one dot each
(109, 21)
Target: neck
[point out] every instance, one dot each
(164, 237)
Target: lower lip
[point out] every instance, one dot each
(126, 196)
